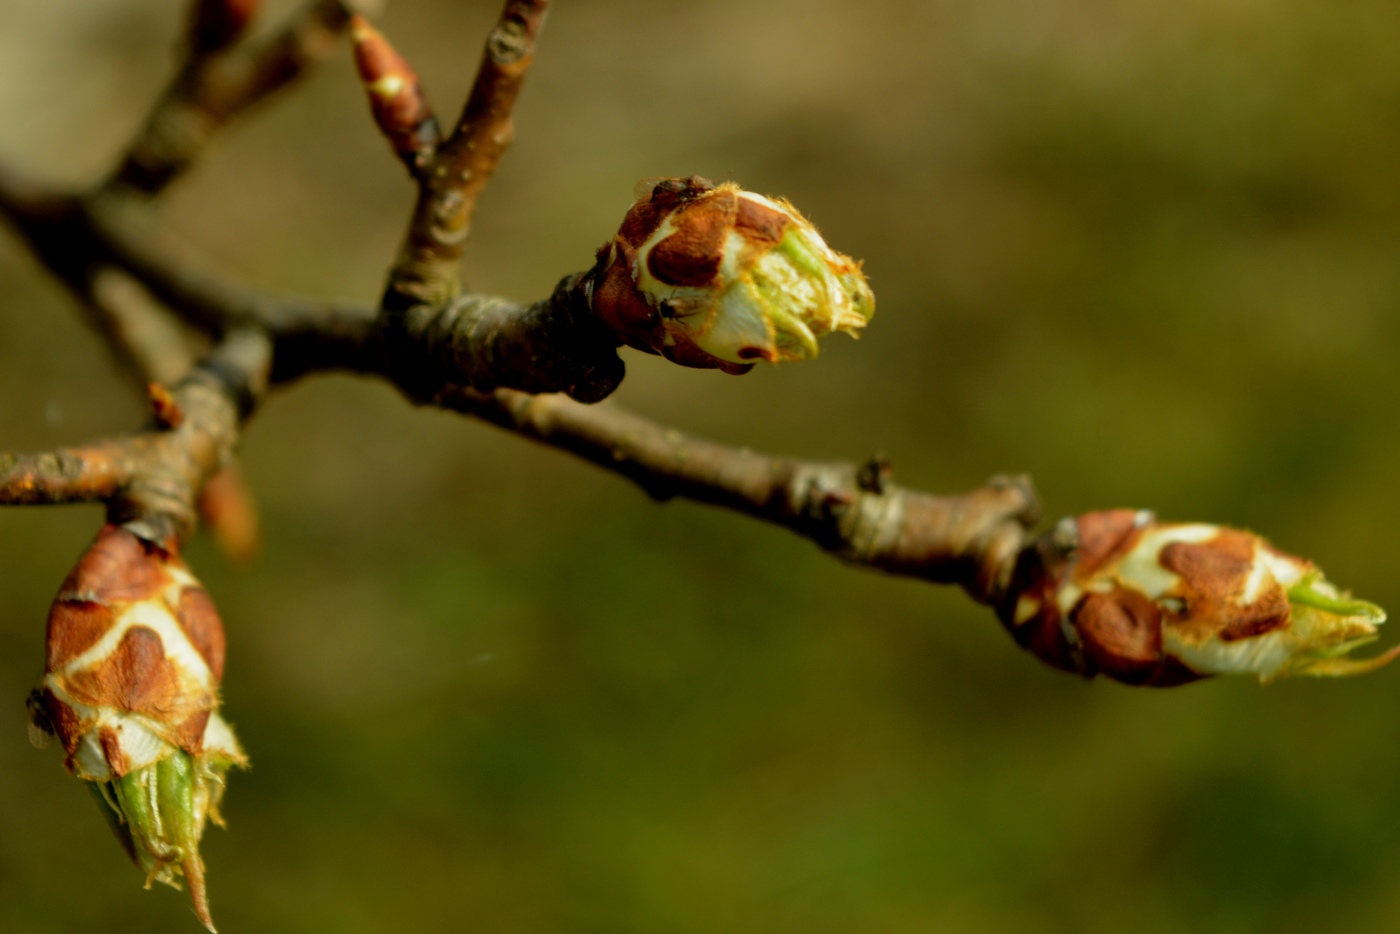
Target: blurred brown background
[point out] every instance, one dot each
(1144, 250)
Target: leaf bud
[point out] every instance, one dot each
(1153, 603)
(135, 652)
(395, 96)
(719, 277)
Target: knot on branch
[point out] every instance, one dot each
(509, 42)
(972, 540)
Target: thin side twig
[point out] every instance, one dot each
(70, 475)
(426, 270)
(211, 89)
(140, 332)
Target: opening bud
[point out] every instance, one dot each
(1154, 603)
(719, 277)
(135, 651)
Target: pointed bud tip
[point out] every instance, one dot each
(1344, 667)
(193, 868)
(396, 99)
(227, 508)
(375, 58)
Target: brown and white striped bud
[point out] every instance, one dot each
(719, 277)
(135, 651)
(395, 97)
(1153, 603)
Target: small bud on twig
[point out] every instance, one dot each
(167, 411)
(135, 651)
(395, 96)
(1154, 603)
(216, 24)
(227, 509)
(722, 277)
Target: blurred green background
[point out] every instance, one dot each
(1145, 251)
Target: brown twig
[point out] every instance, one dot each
(140, 334)
(426, 270)
(77, 239)
(139, 331)
(554, 345)
(208, 90)
(852, 511)
(150, 480)
(72, 475)
(211, 88)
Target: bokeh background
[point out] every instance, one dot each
(1144, 250)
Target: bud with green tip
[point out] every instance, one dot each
(1154, 603)
(719, 277)
(135, 651)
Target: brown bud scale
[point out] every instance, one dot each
(1149, 603)
(396, 98)
(135, 651)
(716, 277)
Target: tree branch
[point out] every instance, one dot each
(455, 355)
(554, 345)
(210, 89)
(484, 356)
(451, 181)
(852, 511)
(150, 480)
(139, 331)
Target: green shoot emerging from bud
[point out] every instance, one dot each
(158, 813)
(720, 277)
(135, 653)
(1158, 603)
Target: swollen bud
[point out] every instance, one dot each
(135, 651)
(719, 277)
(1160, 604)
(395, 96)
